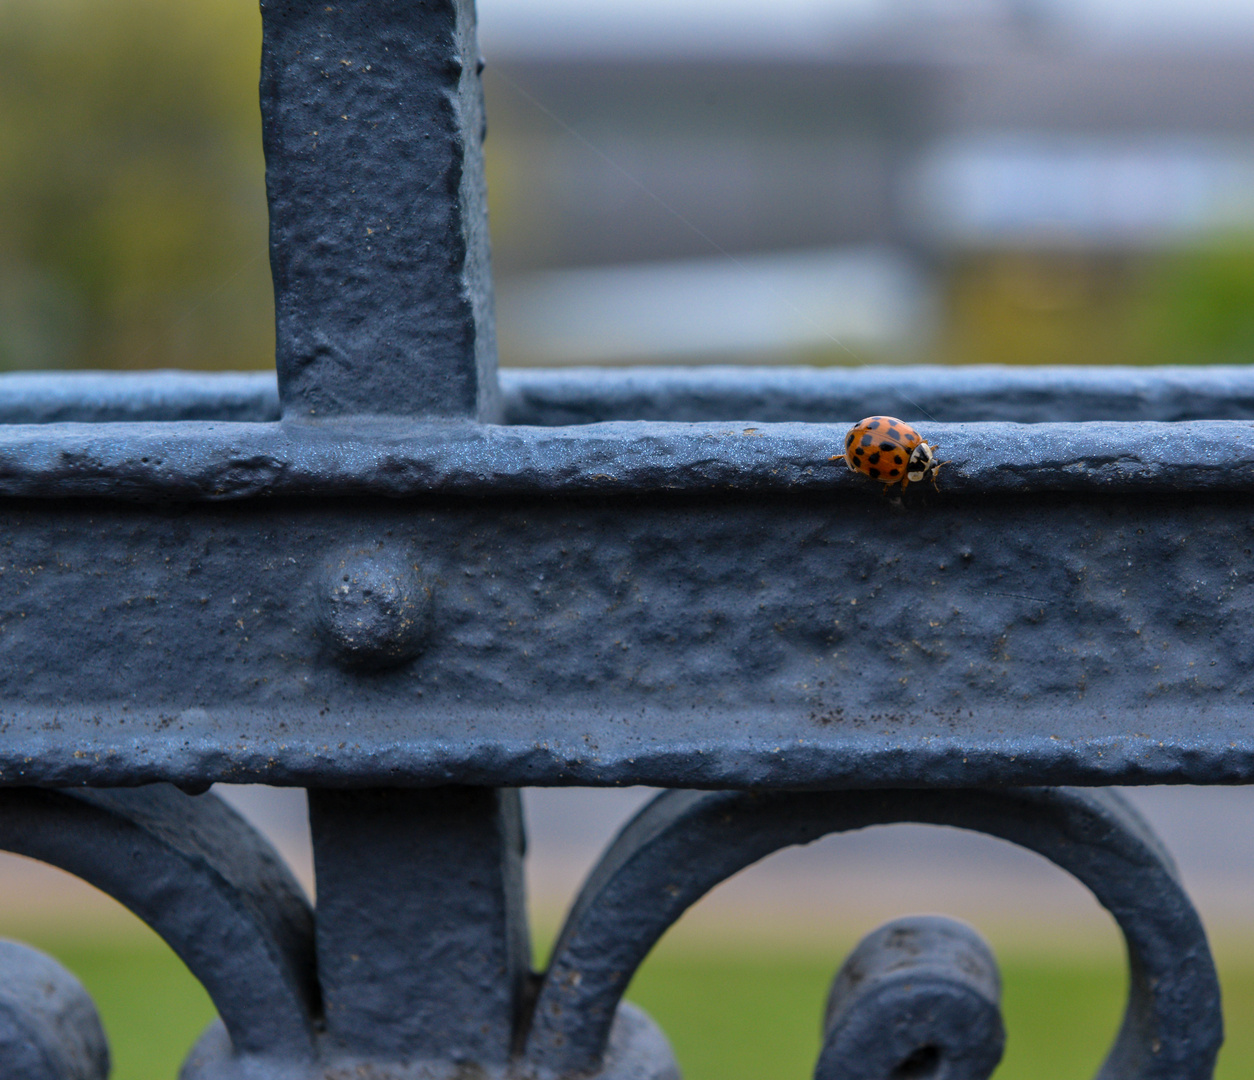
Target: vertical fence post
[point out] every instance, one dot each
(373, 123)
(423, 946)
(372, 115)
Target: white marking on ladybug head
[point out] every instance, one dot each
(920, 464)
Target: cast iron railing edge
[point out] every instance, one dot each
(210, 460)
(429, 755)
(554, 397)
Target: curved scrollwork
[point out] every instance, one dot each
(205, 881)
(684, 843)
(919, 997)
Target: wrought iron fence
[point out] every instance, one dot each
(414, 588)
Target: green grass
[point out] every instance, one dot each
(732, 1013)
(756, 1015)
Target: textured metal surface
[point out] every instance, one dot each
(219, 461)
(423, 949)
(372, 115)
(415, 940)
(205, 881)
(45, 397)
(548, 398)
(374, 607)
(1025, 395)
(920, 996)
(684, 843)
(49, 1027)
(422, 968)
(637, 1051)
(678, 641)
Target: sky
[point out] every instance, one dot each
(810, 26)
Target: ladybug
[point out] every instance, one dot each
(891, 451)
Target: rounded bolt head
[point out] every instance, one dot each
(374, 608)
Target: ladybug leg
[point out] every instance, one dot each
(935, 470)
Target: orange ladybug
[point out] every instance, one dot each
(891, 451)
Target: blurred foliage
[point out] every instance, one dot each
(133, 218)
(1197, 303)
(132, 201)
(1189, 304)
(1023, 307)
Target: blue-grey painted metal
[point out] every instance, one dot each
(215, 462)
(919, 997)
(573, 396)
(431, 962)
(412, 588)
(374, 606)
(684, 843)
(373, 125)
(203, 879)
(681, 639)
(1026, 395)
(91, 397)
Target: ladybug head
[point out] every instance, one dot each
(922, 463)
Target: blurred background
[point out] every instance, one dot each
(809, 181)
(813, 181)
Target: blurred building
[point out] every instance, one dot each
(981, 166)
(829, 181)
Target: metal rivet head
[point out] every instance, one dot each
(374, 608)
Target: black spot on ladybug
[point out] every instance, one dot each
(894, 472)
(888, 446)
(899, 459)
(859, 452)
(873, 424)
(865, 440)
(849, 439)
(873, 472)
(893, 433)
(874, 459)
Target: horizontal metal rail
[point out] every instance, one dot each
(194, 461)
(563, 396)
(701, 605)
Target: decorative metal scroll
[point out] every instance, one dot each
(919, 997)
(420, 985)
(206, 882)
(684, 843)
